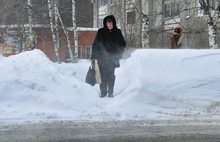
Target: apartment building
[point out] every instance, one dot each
(163, 15)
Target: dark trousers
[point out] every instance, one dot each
(108, 79)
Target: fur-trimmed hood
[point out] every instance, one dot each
(113, 20)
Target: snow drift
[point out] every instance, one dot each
(152, 83)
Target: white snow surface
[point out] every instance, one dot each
(151, 84)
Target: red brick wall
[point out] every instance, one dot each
(45, 42)
(85, 38)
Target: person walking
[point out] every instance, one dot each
(176, 38)
(107, 48)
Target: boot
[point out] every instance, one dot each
(111, 84)
(103, 89)
(103, 95)
(110, 95)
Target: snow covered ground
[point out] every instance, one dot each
(151, 84)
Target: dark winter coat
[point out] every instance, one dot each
(109, 45)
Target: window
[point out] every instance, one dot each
(172, 10)
(79, 52)
(177, 9)
(67, 53)
(131, 17)
(130, 1)
(200, 11)
(67, 56)
(111, 2)
(100, 23)
(187, 4)
(215, 4)
(88, 52)
(212, 4)
(167, 10)
(103, 3)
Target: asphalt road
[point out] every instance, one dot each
(113, 131)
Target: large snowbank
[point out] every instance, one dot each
(151, 84)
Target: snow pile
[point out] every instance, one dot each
(176, 82)
(152, 83)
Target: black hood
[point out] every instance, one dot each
(113, 20)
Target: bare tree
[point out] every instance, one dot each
(30, 23)
(54, 30)
(82, 9)
(14, 22)
(21, 17)
(185, 14)
(130, 21)
(145, 24)
(145, 29)
(212, 14)
(66, 31)
(75, 30)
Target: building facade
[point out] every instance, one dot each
(184, 13)
(13, 30)
(44, 42)
(163, 16)
(127, 14)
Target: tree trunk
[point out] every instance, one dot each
(145, 29)
(75, 31)
(56, 47)
(30, 23)
(212, 22)
(57, 33)
(22, 35)
(212, 32)
(67, 36)
(145, 23)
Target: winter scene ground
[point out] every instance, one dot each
(150, 84)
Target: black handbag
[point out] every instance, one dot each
(90, 76)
